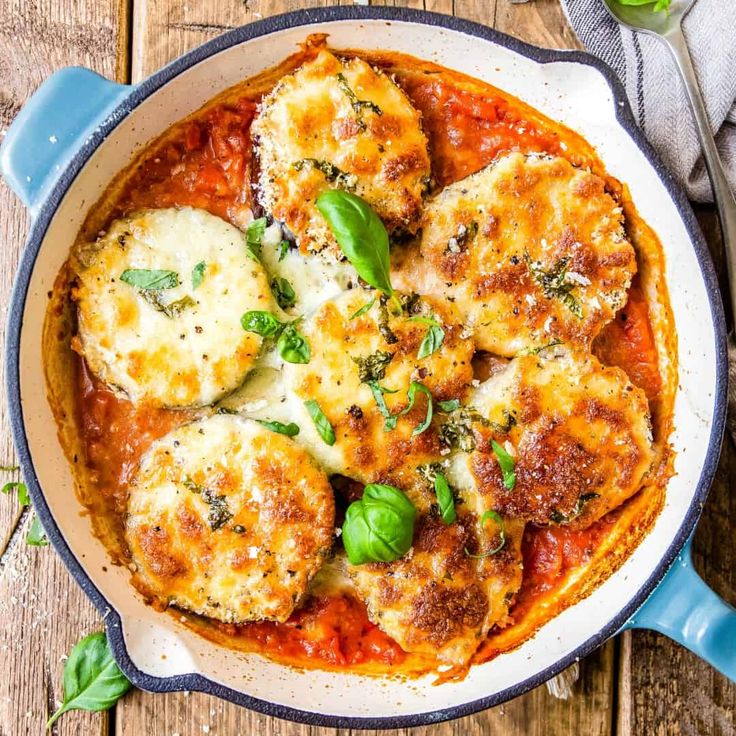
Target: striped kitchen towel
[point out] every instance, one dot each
(652, 84)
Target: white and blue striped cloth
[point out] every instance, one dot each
(653, 87)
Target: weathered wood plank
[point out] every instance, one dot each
(42, 612)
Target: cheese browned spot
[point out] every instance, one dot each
(438, 599)
(579, 433)
(228, 519)
(181, 346)
(334, 378)
(532, 250)
(339, 124)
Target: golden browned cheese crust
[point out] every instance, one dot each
(579, 433)
(228, 519)
(339, 124)
(439, 599)
(181, 346)
(531, 249)
(363, 449)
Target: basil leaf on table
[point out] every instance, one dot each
(290, 429)
(92, 679)
(23, 498)
(507, 465)
(380, 526)
(445, 499)
(361, 236)
(283, 292)
(434, 337)
(36, 536)
(150, 280)
(293, 347)
(494, 516)
(321, 422)
(198, 274)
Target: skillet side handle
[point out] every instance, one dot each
(51, 127)
(684, 608)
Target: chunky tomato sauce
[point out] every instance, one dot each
(206, 162)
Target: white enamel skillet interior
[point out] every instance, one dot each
(155, 651)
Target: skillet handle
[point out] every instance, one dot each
(51, 128)
(684, 608)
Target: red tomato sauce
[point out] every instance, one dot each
(332, 630)
(207, 163)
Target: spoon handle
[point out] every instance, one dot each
(722, 193)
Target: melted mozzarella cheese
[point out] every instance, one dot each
(228, 519)
(531, 249)
(181, 346)
(339, 124)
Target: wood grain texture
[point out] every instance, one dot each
(42, 611)
(638, 684)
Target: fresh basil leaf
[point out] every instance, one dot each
(321, 422)
(293, 347)
(143, 278)
(434, 337)
(415, 387)
(36, 536)
(495, 516)
(198, 274)
(262, 323)
(283, 292)
(283, 249)
(360, 234)
(659, 5)
(290, 429)
(254, 235)
(507, 465)
(378, 391)
(365, 308)
(92, 679)
(448, 406)
(380, 526)
(445, 499)
(23, 497)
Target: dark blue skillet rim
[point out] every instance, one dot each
(253, 30)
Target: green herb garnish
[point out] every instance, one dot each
(283, 249)
(554, 284)
(365, 308)
(293, 347)
(372, 368)
(506, 462)
(332, 173)
(356, 104)
(170, 309)
(36, 536)
(434, 337)
(219, 512)
(254, 236)
(659, 5)
(92, 679)
(380, 526)
(283, 292)
(449, 405)
(495, 516)
(198, 274)
(23, 498)
(361, 236)
(150, 280)
(290, 429)
(321, 422)
(539, 349)
(559, 518)
(445, 499)
(392, 419)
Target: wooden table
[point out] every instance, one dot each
(637, 684)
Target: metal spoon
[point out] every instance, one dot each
(668, 28)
